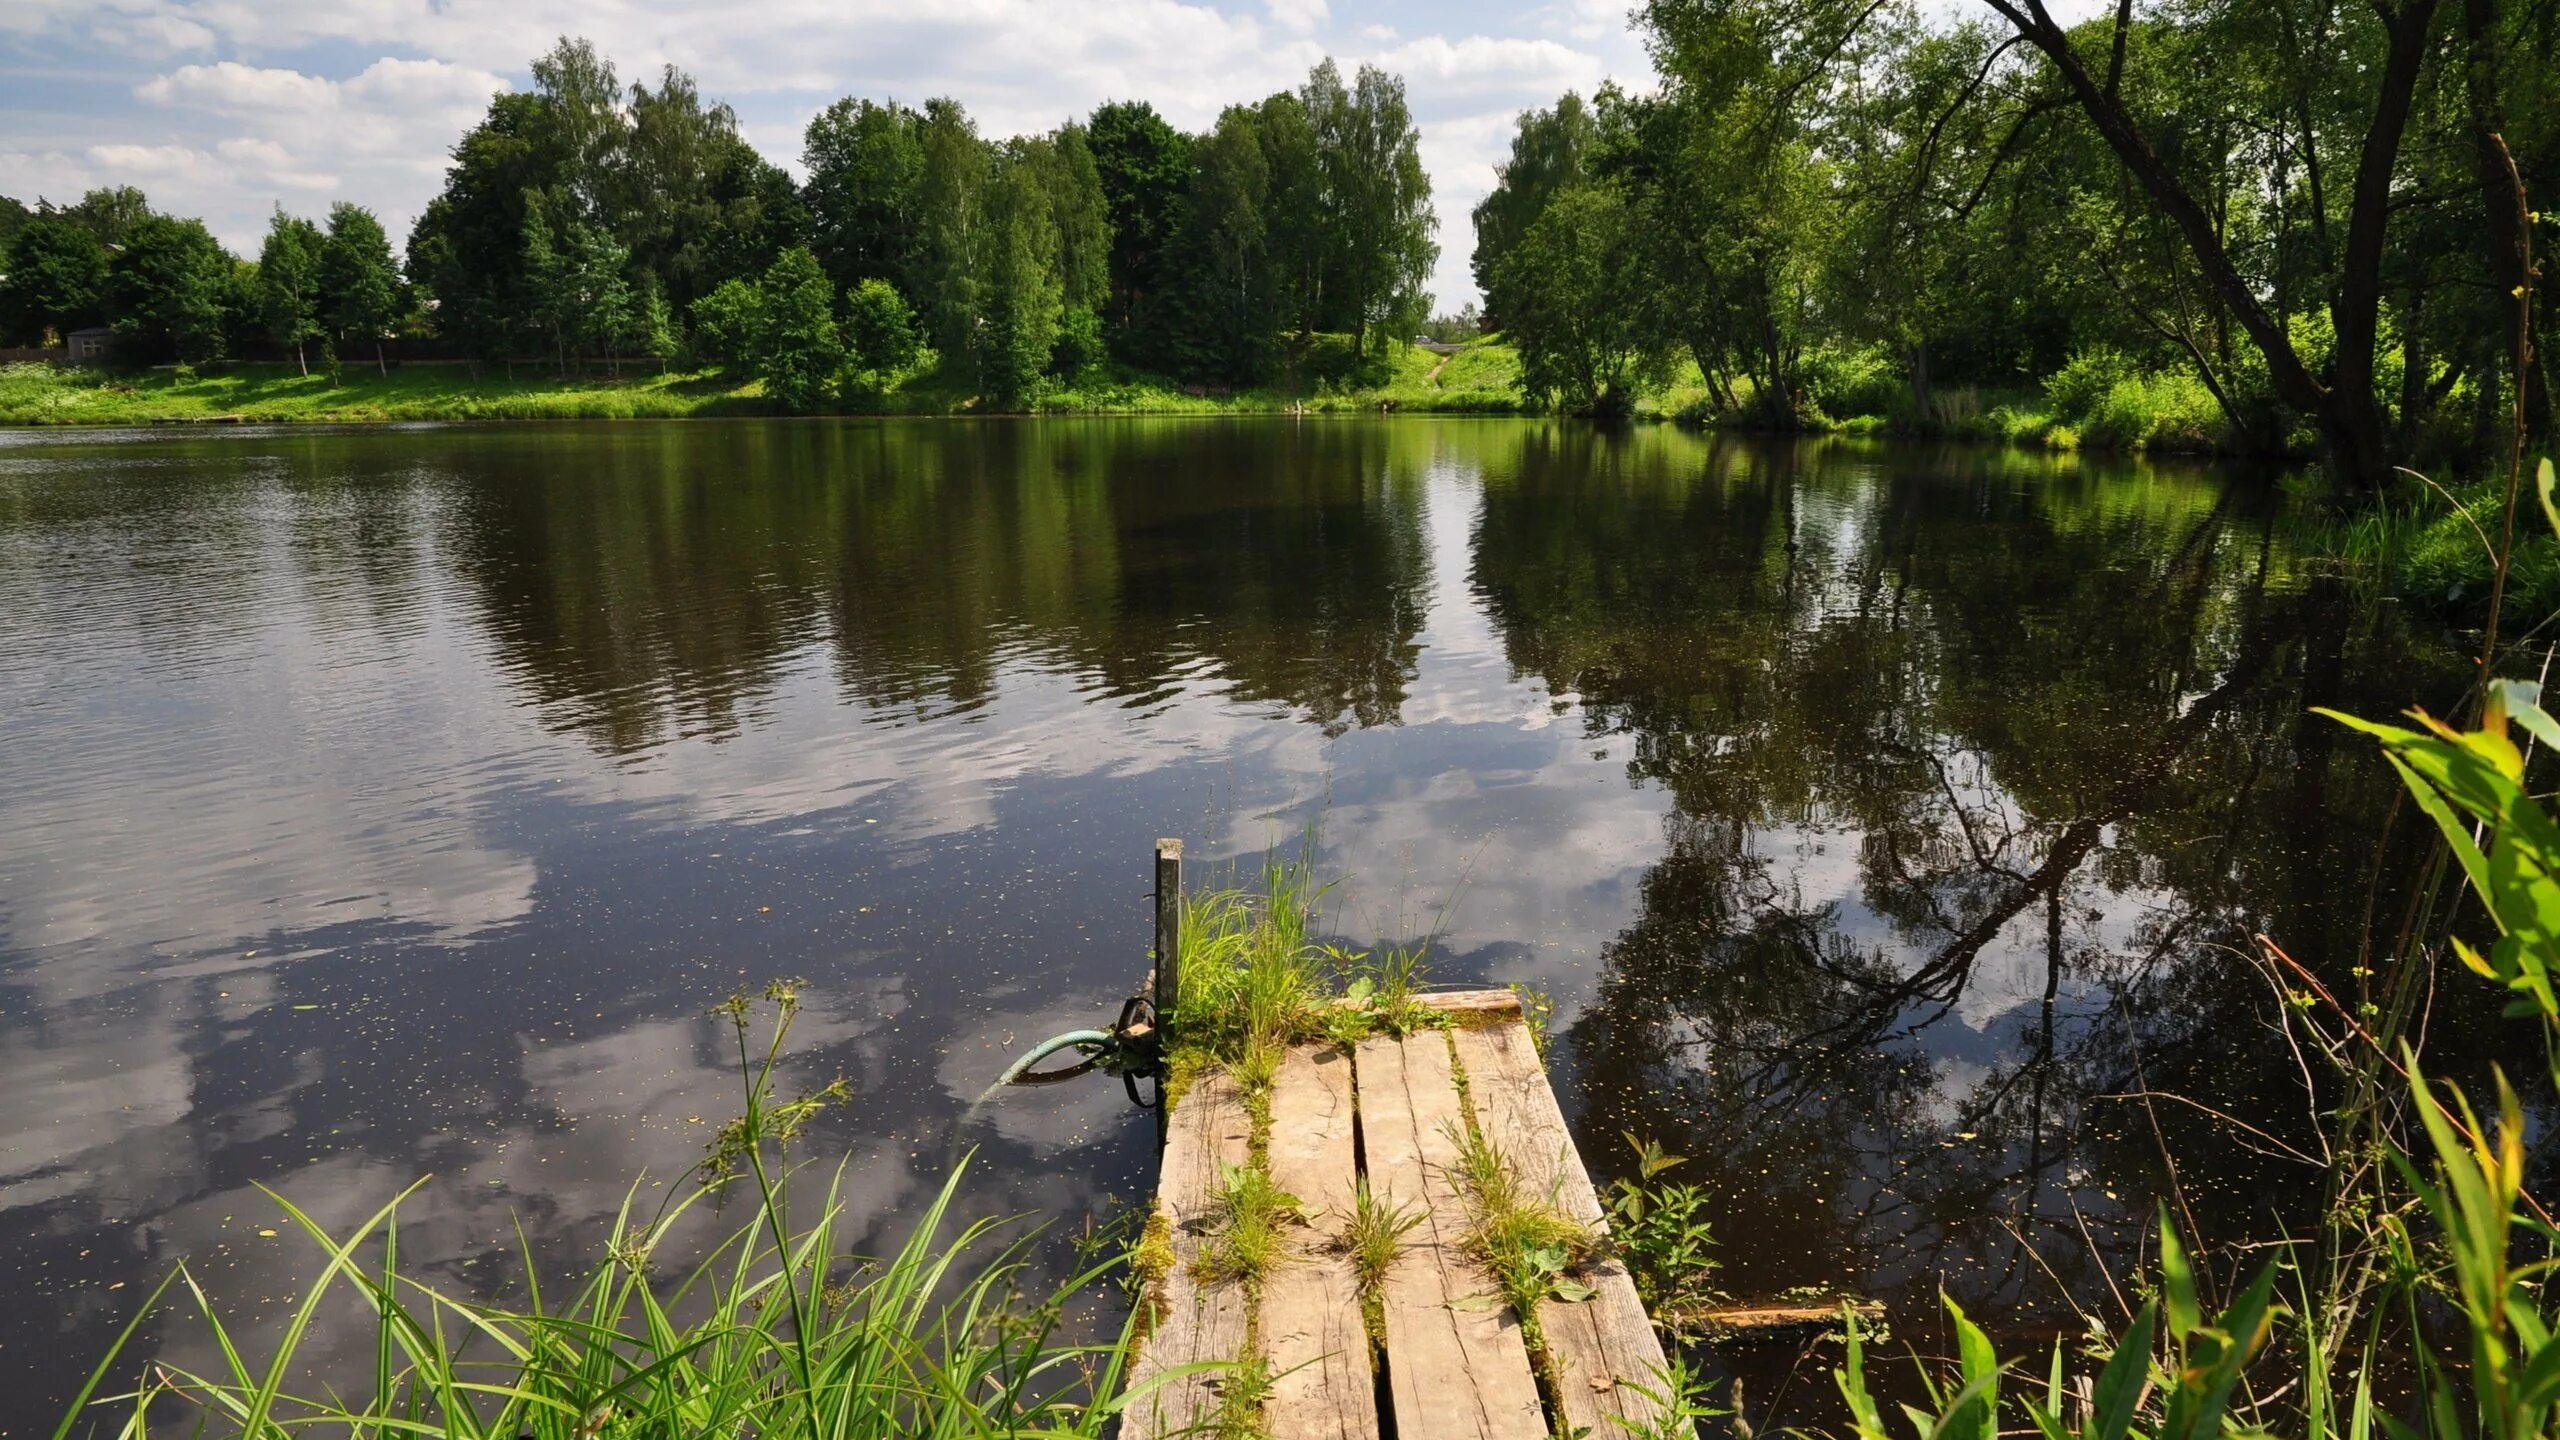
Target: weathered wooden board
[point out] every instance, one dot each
(1602, 1348)
(1463, 1005)
(1323, 1387)
(1193, 1322)
(1451, 1371)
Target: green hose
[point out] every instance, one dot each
(1089, 1039)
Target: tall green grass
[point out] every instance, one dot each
(775, 1332)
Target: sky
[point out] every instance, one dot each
(225, 109)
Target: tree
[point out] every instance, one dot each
(1378, 209)
(690, 199)
(944, 267)
(799, 349)
(110, 213)
(1546, 157)
(14, 216)
(289, 266)
(53, 279)
(1144, 168)
(469, 248)
(653, 325)
(1081, 215)
(359, 285)
(728, 325)
(866, 167)
(166, 290)
(1233, 308)
(880, 330)
(1293, 210)
(1580, 301)
(1021, 291)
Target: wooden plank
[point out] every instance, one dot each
(1311, 1325)
(1466, 1004)
(1598, 1346)
(1192, 1322)
(1455, 1373)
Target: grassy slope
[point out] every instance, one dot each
(1479, 379)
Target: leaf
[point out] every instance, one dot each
(1571, 1292)
(2177, 1282)
(2120, 1385)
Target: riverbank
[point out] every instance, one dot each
(1481, 379)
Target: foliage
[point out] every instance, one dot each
(1376, 202)
(1374, 1238)
(880, 331)
(1020, 291)
(165, 290)
(1247, 1217)
(53, 277)
(771, 1333)
(1660, 1229)
(727, 323)
(359, 285)
(1579, 302)
(1528, 1244)
(1547, 158)
(1142, 166)
(798, 349)
(289, 268)
(865, 161)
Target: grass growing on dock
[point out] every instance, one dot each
(1375, 1238)
(1254, 982)
(1250, 1220)
(783, 1337)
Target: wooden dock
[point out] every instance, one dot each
(1455, 1361)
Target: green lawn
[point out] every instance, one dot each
(1479, 379)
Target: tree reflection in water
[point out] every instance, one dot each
(1983, 782)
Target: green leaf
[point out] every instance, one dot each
(2121, 1383)
(2177, 1282)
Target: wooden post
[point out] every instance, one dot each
(1168, 929)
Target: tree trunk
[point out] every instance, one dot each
(1920, 376)
(2356, 313)
(2504, 236)
(379, 363)
(299, 360)
(2413, 366)
(2349, 425)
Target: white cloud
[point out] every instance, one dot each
(236, 89)
(1299, 17)
(146, 159)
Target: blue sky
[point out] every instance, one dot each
(227, 108)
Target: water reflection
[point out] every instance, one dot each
(394, 802)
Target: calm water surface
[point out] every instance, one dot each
(386, 804)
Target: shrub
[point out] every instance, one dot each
(2075, 391)
(1841, 383)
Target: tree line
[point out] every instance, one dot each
(584, 221)
(171, 291)
(2304, 207)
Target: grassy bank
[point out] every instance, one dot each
(1479, 380)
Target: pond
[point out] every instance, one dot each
(1887, 823)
